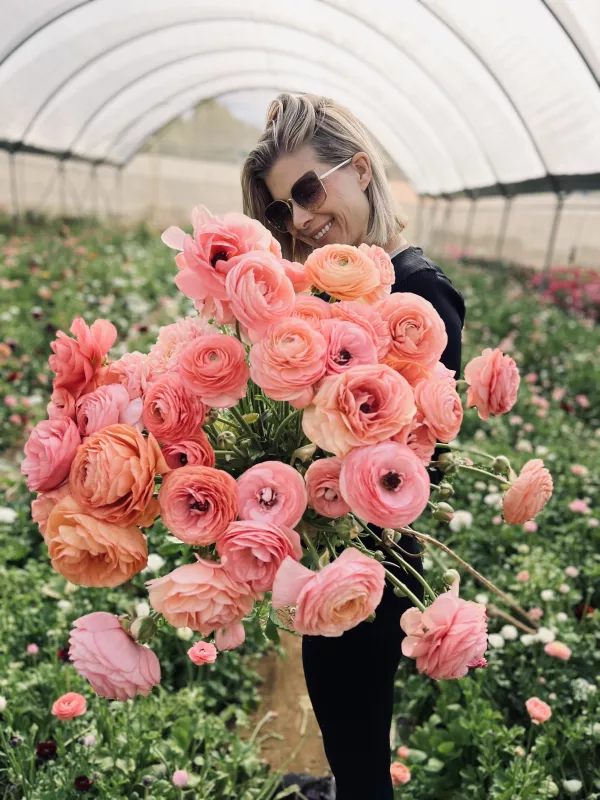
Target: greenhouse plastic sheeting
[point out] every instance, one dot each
(488, 97)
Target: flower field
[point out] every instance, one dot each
(468, 738)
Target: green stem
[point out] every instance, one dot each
(465, 450)
(311, 549)
(282, 425)
(479, 471)
(392, 578)
(242, 422)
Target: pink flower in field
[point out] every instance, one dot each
(558, 393)
(400, 773)
(76, 362)
(215, 369)
(447, 637)
(196, 451)
(523, 576)
(171, 412)
(441, 407)
(203, 653)
(530, 526)
(493, 380)
(528, 427)
(42, 506)
(164, 355)
(497, 520)
(297, 275)
(579, 507)
(272, 492)
(333, 600)
(403, 752)
(69, 706)
(535, 614)
(132, 370)
(385, 484)
(532, 377)
(538, 710)
(593, 523)
(348, 345)
(230, 637)
(311, 309)
(385, 268)
(583, 400)
(180, 779)
(572, 572)
(323, 488)
(10, 401)
(528, 494)
(32, 649)
(515, 420)
(558, 650)
(579, 470)
(564, 588)
(104, 406)
(62, 404)
(368, 318)
(49, 453)
(418, 332)
(15, 419)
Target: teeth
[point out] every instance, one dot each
(323, 231)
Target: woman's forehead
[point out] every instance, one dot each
(288, 168)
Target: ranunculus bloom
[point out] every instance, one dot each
(343, 271)
(403, 751)
(579, 507)
(333, 600)
(385, 484)
(535, 613)
(62, 404)
(411, 371)
(348, 345)
(230, 637)
(572, 572)
(368, 318)
(252, 552)
(400, 773)
(419, 437)
(323, 488)
(297, 275)
(214, 368)
(69, 706)
(558, 650)
(385, 268)
(448, 636)
(259, 291)
(442, 409)
(288, 360)
(171, 412)
(272, 492)
(116, 667)
(164, 355)
(198, 503)
(200, 596)
(32, 649)
(312, 309)
(196, 451)
(132, 370)
(76, 361)
(493, 380)
(203, 653)
(91, 552)
(523, 576)
(538, 710)
(530, 526)
(417, 330)
(113, 476)
(43, 504)
(180, 778)
(528, 494)
(364, 405)
(49, 453)
(104, 406)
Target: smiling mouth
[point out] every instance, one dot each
(325, 229)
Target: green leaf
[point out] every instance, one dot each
(434, 765)
(272, 631)
(446, 747)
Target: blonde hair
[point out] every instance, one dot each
(335, 134)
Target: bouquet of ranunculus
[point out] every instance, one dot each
(270, 433)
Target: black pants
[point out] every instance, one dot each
(350, 681)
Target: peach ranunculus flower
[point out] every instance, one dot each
(69, 706)
(528, 494)
(171, 412)
(203, 653)
(493, 380)
(323, 488)
(76, 362)
(538, 710)
(363, 405)
(400, 773)
(288, 360)
(385, 484)
(368, 318)
(411, 371)
(113, 476)
(252, 552)
(43, 504)
(333, 600)
(195, 451)
(558, 650)
(418, 332)
(272, 492)
(312, 309)
(62, 404)
(348, 345)
(164, 354)
(230, 637)
(259, 291)
(116, 667)
(104, 406)
(441, 407)
(297, 275)
(132, 370)
(198, 503)
(403, 751)
(90, 552)
(385, 268)
(215, 369)
(49, 453)
(446, 638)
(419, 437)
(200, 596)
(343, 271)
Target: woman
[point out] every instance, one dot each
(316, 178)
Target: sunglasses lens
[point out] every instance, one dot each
(278, 214)
(309, 192)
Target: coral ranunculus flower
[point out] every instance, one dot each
(441, 407)
(417, 330)
(171, 412)
(196, 451)
(538, 710)
(76, 362)
(69, 706)
(312, 309)
(323, 488)
(348, 345)
(42, 506)
(215, 369)
(493, 380)
(272, 492)
(528, 494)
(49, 453)
(343, 271)
(203, 653)
(368, 318)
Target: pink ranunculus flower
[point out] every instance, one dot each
(348, 345)
(448, 636)
(583, 400)
(572, 572)
(32, 649)
(419, 437)
(368, 318)
(76, 362)
(252, 552)
(105, 406)
(69, 706)
(297, 275)
(528, 494)
(418, 332)
(164, 355)
(214, 368)
(385, 484)
(49, 453)
(203, 653)
(579, 470)
(363, 405)
(400, 773)
(62, 404)
(132, 370)
(385, 268)
(259, 291)
(42, 506)
(312, 309)
(288, 360)
(200, 596)
(441, 407)
(272, 492)
(493, 380)
(196, 451)
(558, 650)
(530, 526)
(523, 576)
(180, 779)
(579, 507)
(116, 667)
(323, 488)
(333, 600)
(403, 752)
(538, 710)
(230, 637)
(535, 614)
(171, 413)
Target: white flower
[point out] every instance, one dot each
(524, 446)
(496, 641)
(482, 598)
(2, 703)
(523, 548)
(527, 639)
(572, 787)
(480, 485)
(561, 617)
(185, 633)
(8, 515)
(540, 450)
(155, 563)
(547, 594)
(71, 587)
(479, 435)
(545, 635)
(493, 488)
(427, 563)
(510, 632)
(462, 520)
(493, 500)
(596, 730)
(142, 609)
(65, 605)
(582, 689)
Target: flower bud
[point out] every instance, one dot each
(446, 463)
(370, 618)
(399, 592)
(125, 621)
(212, 415)
(251, 418)
(450, 576)
(225, 439)
(305, 453)
(143, 629)
(378, 555)
(443, 512)
(446, 490)
(502, 465)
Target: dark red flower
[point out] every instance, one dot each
(63, 654)
(83, 783)
(582, 610)
(46, 751)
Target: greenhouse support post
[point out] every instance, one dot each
(14, 185)
(469, 226)
(503, 227)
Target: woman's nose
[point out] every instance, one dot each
(301, 218)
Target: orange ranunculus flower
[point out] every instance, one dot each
(343, 271)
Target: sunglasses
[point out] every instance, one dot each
(308, 192)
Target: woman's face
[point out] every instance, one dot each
(346, 206)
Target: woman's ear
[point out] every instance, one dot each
(362, 164)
